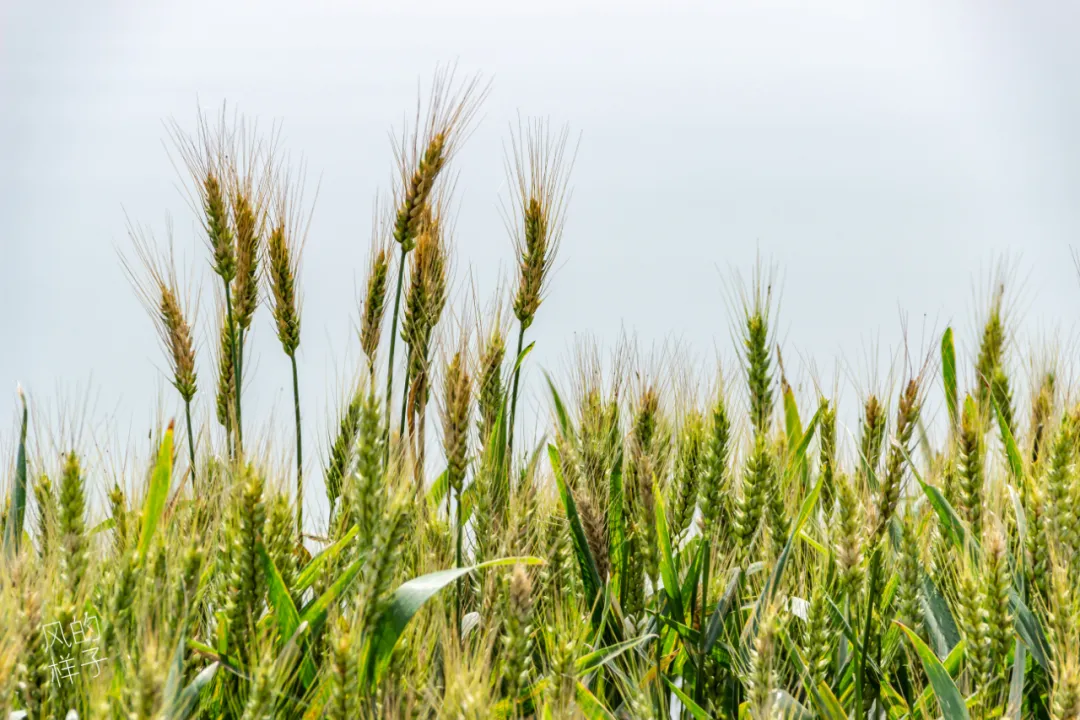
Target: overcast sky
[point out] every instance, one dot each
(883, 155)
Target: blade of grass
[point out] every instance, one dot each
(310, 573)
(158, 492)
(948, 377)
(410, 597)
(13, 528)
(590, 576)
(949, 698)
(667, 562)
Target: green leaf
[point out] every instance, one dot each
(1021, 519)
(1030, 631)
(787, 707)
(797, 460)
(315, 613)
(939, 621)
(693, 574)
(158, 493)
(13, 529)
(106, 524)
(288, 619)
(524, 354)
(792, 422)
(590, 576)
(949, 698)
(667, 561)
(590, 706)
(1016, 683)
(560, 409)
(716, 621)
(189, 696)
(411, 596)
(437, 491)
(176, 674)
(769, 591)
(597, 658)
(692, 707)
(311, 571)
(1012, 452)
(952, 665)
(826, 704)
(616, 523)
(948, 377)
(950, 521)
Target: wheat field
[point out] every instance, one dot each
(670, 547)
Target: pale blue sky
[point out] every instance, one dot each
(882, 154)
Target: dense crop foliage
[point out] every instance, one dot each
(663, 551)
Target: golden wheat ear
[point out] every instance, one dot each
(154, 277)
(288, 233)
(373, 308)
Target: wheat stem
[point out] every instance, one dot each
(706, 562)
(236, 368)
(190, 438)
(405, 391)
(393, 343)
(514, 395)
(299, 451)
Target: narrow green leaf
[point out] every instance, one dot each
(949, 698)
(616, 523)
(792, 422)
(939, 621)
(692, 576)
(13, 529)
(597, 658)
(524, 354)
(787, 707)
(948, 377)
(798, 458)
(315, 613)
(590, 706)
(692, 707)
(106, 524)
(176, 674)
(437, 492)
(769, 591)
(716, 621)
(311, 571)
(1012, 452)
(1016, 683)
(825, 703)
(950, 521)
(590, 576)
(1030, 631)
(1021, 519)
(411, 596)
(667, 561)
(189, 696)
(158, 492)
(288, 619)
(560, 409)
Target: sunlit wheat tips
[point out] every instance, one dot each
(423, 153)
(373, 307)
(424, 303)
(169, 305)
(756, 307)
(204, 155)
(538, 170)
(288, 231)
